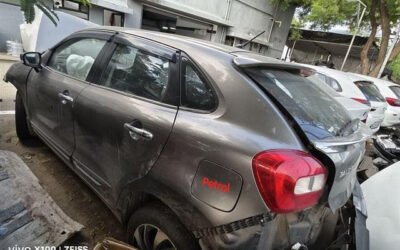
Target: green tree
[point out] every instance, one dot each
(379, 13)
(46, 6)
(295, 32)
(395, 67)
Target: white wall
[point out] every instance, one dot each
(10, 19)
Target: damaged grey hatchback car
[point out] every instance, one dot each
(192, 144)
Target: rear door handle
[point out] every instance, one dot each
(137, 133)
(64, 97)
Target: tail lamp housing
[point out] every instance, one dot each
(289, 180)
(363, 101)
(393, 101)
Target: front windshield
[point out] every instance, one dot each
(318, 114)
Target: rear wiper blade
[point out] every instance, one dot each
(349, 127)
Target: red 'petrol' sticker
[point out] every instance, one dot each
(216, 185)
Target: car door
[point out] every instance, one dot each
(53, 90)
(123, 121)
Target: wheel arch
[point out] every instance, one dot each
(17, 75)
(144, 191)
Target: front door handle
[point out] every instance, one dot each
(137, 133)
(64, 97)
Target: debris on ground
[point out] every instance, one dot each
(28, 215)
(367, 168)
(112, 244)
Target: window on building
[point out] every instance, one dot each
(113, 18)
(229, 40)
(172, 23)
(73, 7)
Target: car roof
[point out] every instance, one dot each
(341, 75)
(187, 44)
(172, 40)
(345, 80)
(377, 80)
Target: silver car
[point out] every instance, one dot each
(192, 144)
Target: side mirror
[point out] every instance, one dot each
(32, 59)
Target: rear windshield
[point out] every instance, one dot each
(396, 90)
(318, 114)
(370, 91)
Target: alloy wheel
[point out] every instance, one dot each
(150, 237)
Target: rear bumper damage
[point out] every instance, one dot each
(303, 230)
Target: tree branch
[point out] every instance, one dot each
(371, 38)
(395, 51)
(385, 24)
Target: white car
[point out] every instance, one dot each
(382, 205)
(358, 89)
(355, 109)
(391, 92)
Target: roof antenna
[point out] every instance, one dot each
(241, 46)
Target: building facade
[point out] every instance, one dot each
(329, 48)
(231, 22)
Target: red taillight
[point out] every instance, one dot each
(288, 180)
(363, 101)
(393, 101)
(306, 72)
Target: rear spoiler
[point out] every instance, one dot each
(245, 62)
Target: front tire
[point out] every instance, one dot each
(21, 123)
(155, 226)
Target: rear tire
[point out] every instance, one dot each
(155, 221)
(21, 123)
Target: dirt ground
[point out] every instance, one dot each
(65, 187)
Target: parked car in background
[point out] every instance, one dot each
(358, 89)
(192, 143)
(355, 109)
(391, 92)
(383, 220)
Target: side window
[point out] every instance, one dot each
(321, 76)
(137, 72)
(196, 93)
(77, 57)
(334, 84)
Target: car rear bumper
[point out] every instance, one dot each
(392, 117)
(283, 233)
(374, 121)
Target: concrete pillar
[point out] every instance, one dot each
(96, 14)
(220, 35)
(134, 20)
